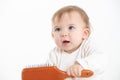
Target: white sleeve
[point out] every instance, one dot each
(52, 58)
(92, 58)
(95, 62)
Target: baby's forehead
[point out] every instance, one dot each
(59, 17)
(69, 19)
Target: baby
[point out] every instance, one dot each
(75, 50)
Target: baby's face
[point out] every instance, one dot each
(69, 31)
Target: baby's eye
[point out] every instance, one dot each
(57, 29)
(71, 27)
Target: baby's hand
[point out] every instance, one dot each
(75, 70)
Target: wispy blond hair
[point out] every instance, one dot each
(68, 9)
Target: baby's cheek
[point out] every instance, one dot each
(78, 43)
(58, 42)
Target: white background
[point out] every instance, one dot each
(25, 32)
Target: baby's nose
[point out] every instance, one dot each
(64, 33)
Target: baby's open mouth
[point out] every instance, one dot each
(65, 41)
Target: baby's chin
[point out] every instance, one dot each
(68, 50)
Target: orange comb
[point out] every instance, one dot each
(49, 73)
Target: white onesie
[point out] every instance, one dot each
(87, 55)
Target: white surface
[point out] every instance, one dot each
(25, 32)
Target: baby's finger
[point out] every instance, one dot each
(78, 72)
(72, 72)
(73, 78)
(75, 72)
(68, 72)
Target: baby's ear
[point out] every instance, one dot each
(52, 35)
(86, 33)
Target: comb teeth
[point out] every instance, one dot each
(38, 65)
